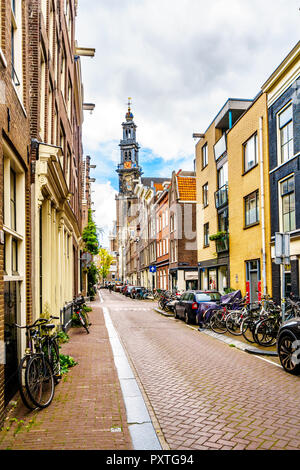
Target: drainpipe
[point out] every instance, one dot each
(262, 205)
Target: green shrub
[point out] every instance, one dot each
(66, 362)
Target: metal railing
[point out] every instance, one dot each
(221, 196)
(66, 314)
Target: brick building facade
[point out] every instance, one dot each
(183, 239)
(41, 116)
(15, 237)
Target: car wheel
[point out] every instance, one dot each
(289, 353)
(187, 318)
(175, 313)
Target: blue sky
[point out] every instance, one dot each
(179, 60)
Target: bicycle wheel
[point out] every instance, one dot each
(22, 386)
(233, 323)
(266, 332)
(217, 322)
(84, 322)
(39, 381)
(248, 329)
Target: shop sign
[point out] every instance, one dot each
(191, 275)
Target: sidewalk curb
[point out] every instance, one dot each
(141, 421)
(165, 314)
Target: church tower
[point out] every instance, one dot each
(129, 169)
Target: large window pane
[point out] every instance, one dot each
(251, 209)
(285, 116)
(288, 204)
(250, 153)
(286, 134)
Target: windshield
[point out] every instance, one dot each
(208, 297)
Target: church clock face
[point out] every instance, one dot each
(129, 183)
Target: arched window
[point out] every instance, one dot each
(125, 156)
(129, 155)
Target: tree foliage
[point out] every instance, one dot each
(104, 261)
(90, 236)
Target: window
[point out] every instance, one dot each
(223, 175)
(43, 95)
(287, 192)
(285, 124)
(50, 110)
(223, 221)
(13, 213)
(14, 256)
(44, 9)
(172, 222)
(63, 73)
(251, 209)
(250, 153)
(204, 156)
(205, 195)
(69, 106)
(16, 46)
(206, 234)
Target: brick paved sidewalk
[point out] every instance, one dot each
(87, 411)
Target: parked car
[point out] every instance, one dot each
(288, 346)
(137, 291)
(127, 292)
(124, 289)
(187, 306)
(117, 287)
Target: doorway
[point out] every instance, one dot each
(11, 315)
(253, 280)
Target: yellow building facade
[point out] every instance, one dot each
(212, 198)
(249, 202)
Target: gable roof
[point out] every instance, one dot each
(186, 188)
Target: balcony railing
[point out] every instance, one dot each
(221, 196)
(220, 147)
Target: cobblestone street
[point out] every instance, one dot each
(205, 394)
(200, 393)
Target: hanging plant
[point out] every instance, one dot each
(218, 235)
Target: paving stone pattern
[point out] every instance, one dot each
(87, 411)
(205, 394)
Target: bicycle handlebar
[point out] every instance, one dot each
(37, 322)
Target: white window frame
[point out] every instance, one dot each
(281, 228)
(279, 147)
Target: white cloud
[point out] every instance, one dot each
(103, 197)
(179, 60)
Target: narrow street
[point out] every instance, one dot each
(199, 392)
(204, 394)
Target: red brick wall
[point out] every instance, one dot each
(17, 134)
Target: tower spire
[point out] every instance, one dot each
(129, 115)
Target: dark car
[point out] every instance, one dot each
(136, 292)
(124, 289)
(128, 291)
(288, 346)
(187, 306)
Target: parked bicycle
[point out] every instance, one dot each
(81, 313)
(39, 369)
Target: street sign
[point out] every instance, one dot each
(86, 259)
(152, 269)
(282, 257)
(282, 248)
